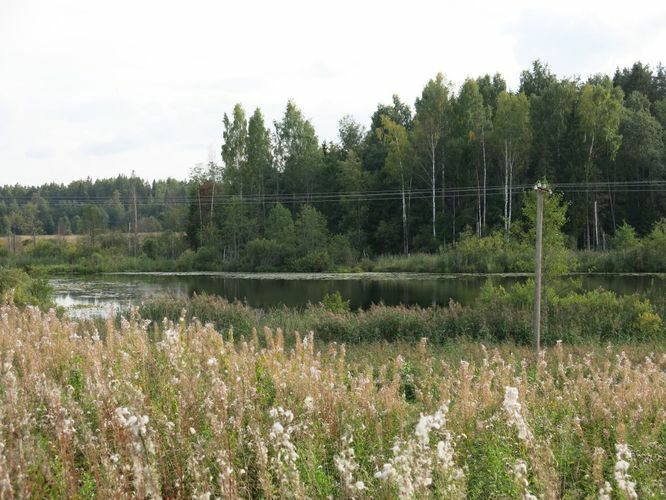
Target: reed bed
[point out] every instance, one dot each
(182, 410)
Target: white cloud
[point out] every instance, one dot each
(101, 88)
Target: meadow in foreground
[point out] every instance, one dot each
(181, 410)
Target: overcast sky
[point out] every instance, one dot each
(100, 88)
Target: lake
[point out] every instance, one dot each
(97, 294)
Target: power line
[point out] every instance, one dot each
(358, 196)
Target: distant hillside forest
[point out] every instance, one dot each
(457, 162)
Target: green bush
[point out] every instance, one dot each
(185, 261)
(317, 261)
(335, 303)
(26, 289)
(206, 259)
(48, 249)
(266, 255)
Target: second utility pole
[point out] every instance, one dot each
(540, 190)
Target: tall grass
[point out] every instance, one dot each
(182, 410)
(498, 315)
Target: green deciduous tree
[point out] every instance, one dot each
(556, 258)
(513, 134)
(351, 134)
(599, 112)
(352, 179)
(297, 154)
(641, 156)
(93, 221)
(472, 122)
(260, 159)
(429, 128)
(280, 224)
(234, 152)
(311, 230)
(398, 166)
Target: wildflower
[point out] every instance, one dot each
(137, 425)
(345, 463)
(412, 465)
(145, 476)
(285, 456)
(171, 335)
(605, 491)
(520, 473)
(623, 455)
(513, 409)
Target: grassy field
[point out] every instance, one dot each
(24, 241)
(181, 410)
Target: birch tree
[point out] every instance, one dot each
(429, 125)
(297, 153)
(513, 133)
(395, 137)
(473, 119)
(599, 112)
(234, 151)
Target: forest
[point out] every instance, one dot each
(418, 179)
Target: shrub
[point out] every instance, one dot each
(334, 302)
(207, 258)
(47, 249)
(185, 261)
(26, 289)
(266, 255)
(316, 261)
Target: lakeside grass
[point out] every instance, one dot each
(497, 315)
(183, 410)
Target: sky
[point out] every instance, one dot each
(95, 89)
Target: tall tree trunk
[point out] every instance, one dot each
(405, 246)
(443, 190)
(409, 207)
(434, 216)
(263, 203)
(136, 221)
(453, 235)
(212, 202)
(510, 194)
(483, 144)
(588, 171)
(596, 224)
(506, 187)
(478, 200)
(611, 201)
(199, 203)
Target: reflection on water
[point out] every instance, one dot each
(93, 295)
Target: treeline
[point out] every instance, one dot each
(457, 162)
(420, 178)
(91, 207)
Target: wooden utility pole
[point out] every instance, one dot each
(596, 225)
(136, 222)
(536, 327)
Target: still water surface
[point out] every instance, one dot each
(90, 295)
